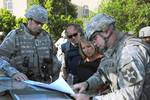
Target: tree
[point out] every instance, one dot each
(61, 12)
(58, 23)
(57, 7)
(130, 15)
(63, 7)
(7, 21)
(19, 21)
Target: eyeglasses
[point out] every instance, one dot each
(73, 35)
(37, 22)
(94, 35)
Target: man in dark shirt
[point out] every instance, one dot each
(70, 49)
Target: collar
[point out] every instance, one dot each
(112, 49)
(75, 45)
(27, 32)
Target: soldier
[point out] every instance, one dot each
(144, 34)
(125, 66)
(27, 52)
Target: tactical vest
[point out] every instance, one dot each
(72, 57)
(33, 55)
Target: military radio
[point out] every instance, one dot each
(46, 70)
(29, 72)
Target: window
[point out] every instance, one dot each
(85, 11)
(8, 5)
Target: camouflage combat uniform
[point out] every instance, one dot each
(30, 54)
(144, 34)
(125, 67)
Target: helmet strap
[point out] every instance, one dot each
(106, 40)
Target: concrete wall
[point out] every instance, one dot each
(1, 4)
(19, 7)
(92, 5)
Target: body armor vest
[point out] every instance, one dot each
(72, 57)
(33, 55)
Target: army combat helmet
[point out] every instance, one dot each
(99, 22)
(37, 13)
(144, 32)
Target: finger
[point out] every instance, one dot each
(76, 86)
(25, 77)
(17, 78)
(21, 77)
(81, 90)
(74, 96)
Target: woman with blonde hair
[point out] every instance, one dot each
(91, 60)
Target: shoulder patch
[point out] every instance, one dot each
(129, 75)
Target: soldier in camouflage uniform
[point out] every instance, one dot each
(27, 52)
(125, 67)
(144, 34)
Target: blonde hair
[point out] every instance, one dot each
(83, 40)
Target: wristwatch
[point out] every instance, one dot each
(91, 98)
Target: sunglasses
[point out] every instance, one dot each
(94, 35)
(74, 35)
(37, 22)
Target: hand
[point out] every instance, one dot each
(81, 97)
(20, 77)
(64, 73)
(81, 86)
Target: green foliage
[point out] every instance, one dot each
(58, 24)
(19, 21)
(7, 21)
(31, 2)
(130, 15)
(63, 7)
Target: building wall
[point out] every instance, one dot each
(92, 5)
(1, 4)
(19, 7)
